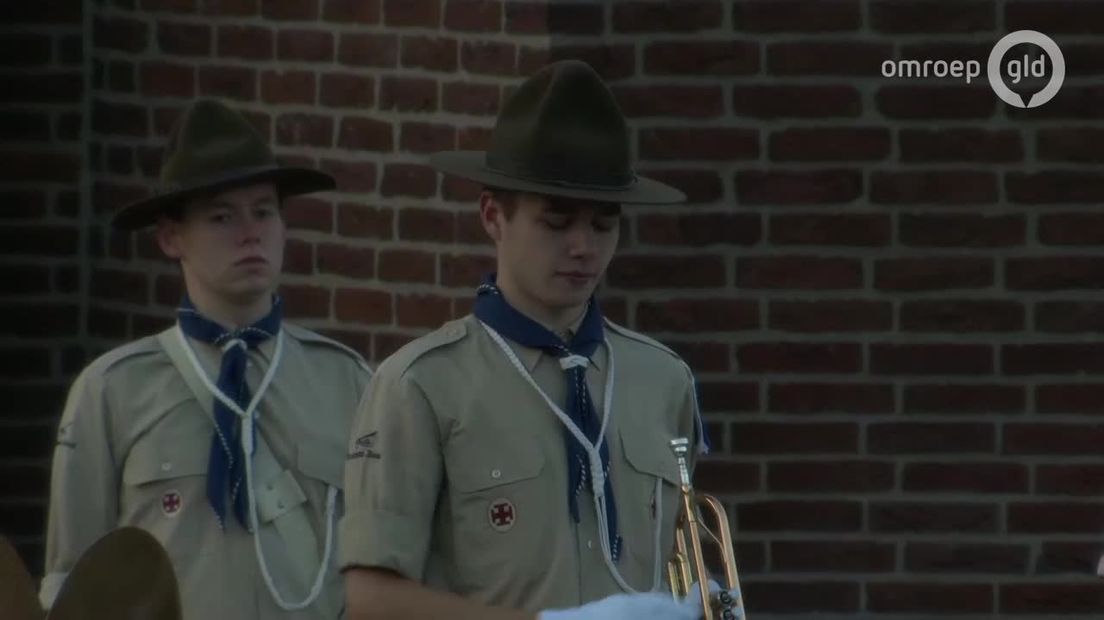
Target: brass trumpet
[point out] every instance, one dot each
(687, 564)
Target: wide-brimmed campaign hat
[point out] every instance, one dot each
(213, 148)
(561, 133)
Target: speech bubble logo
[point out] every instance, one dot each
(1057, 63)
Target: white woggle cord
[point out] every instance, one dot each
(597, 473)
(247, 447)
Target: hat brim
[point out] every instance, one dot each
(289, 181)
(471, 165)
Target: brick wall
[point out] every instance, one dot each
(886, 286)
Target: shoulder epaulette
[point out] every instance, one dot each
(303, 334)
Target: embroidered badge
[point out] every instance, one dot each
(171, 503)
(502, 514)
(364, 447)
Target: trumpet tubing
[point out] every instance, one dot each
(687, 564)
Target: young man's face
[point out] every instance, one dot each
(230, 245)
(553, 250)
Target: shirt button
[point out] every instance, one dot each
(166, 466)
(496, 474)
(590, 544)
(280, 504)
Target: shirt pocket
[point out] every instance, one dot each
(500, 507)
(649, 459)
(164, 489)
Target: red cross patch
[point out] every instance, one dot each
(171, 503)
(502, 514)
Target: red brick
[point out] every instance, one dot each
(1069, 317)
(408, 180)
(796, 101)
(1059, 439)
(369, 50)
(842, 476)
(351, 176)
(1065, 358)
(247, 42)
(38, 240)
(794, 357)
(825, 58)
(931, 359)
(707, 143)
(416, 224)
(962, 230)
(804, 597)
(687, 101)
(305, 45)
(729, 396)
(355, 220)
(697, 315)
(489, 58)
(39, 320)
(386, 344)
(283, 87)
(966, 478)
(464, 98)
(940, 187)
(935, 102)
(464, 270)
(430, 311)
(966, 558)
(701, 58)
(352, 11)
(24, 280)
(408, 94)
(611, 62)
(697, 230)
(184, 39)
(1071, 229)
(962, 316)
(163, 79)
(833, 556)
(119, 118)
(120, 34)
(1079, 558)
(700, 356)
(865, 230)
(430, 53)
(1051, 598)
(830, 316)
(299, 257)
(796, 16)
(303, 213)
(427, 137)
(929, 598)
(830, 144)
(558, 18)
(960, 145)
(1054, 273)
(687, 16)
(1055, 518)
(305, 301)
(301, 129)
(1054, 17)
(933, 517)
(171, 6)
(1083, 479)
(407, 266)
(238, 8)
(1074, 102)
(851, 398)
(1082, 398)
(231, 82)
(1055, 186)
(932, 16)
(798, 187)
(799, 516)
(798, 272)
(929, 437)
(343, 90)
(638, 272)
(365, 134)
(473, 15)
(42, 88)
(300, 10)
(726, 477)
(119, 285)
(973, 398)
(363, 306)
(930, 274)
(423, 13)
(700, 186)
(348, 261)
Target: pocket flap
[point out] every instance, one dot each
(151, 459)
(650, 453)
(476, 464)
(278, 496)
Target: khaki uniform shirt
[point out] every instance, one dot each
(457, 474)
(133, 447)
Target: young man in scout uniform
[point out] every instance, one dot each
(517, 460)
(224, 435)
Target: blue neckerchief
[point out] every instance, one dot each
(226, 463)
(492, 309)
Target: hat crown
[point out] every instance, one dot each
(211, 140)
(563, 126)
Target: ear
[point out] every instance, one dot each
(491, 215)
(168, 237)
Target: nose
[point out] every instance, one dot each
(581, 240)
(249, 228)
